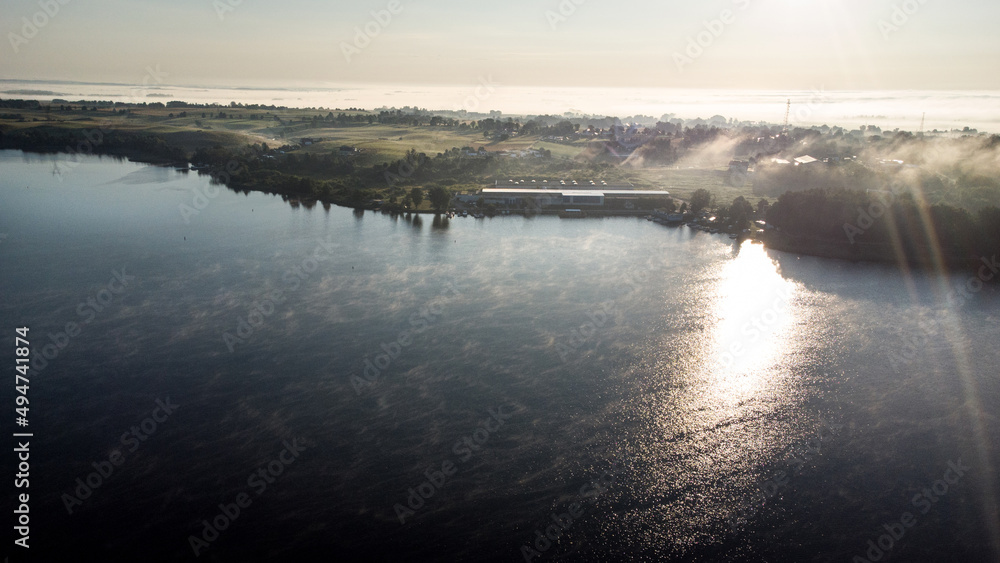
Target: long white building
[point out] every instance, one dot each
(517, 197)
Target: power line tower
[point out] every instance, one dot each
(922, 121)
(788, 113)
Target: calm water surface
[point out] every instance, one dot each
(684, 397)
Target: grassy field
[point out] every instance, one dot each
(391, 140)
(682, 182)
(561, 150)
(378, 143)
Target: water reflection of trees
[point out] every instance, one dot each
(440, 223)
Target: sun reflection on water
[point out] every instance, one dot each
(753, 305)
(723, 403)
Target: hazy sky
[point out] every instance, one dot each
(765, 44)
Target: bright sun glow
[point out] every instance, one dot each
(754, 310)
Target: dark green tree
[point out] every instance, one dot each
(700, 200)
(417, 196)
(762, 206)
(440, 198)
(739, 213)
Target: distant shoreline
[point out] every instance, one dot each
(945, 109)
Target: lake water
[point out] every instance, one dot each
(665, 393)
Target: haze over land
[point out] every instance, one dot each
(842, 62)
(888, 110)
(758, 44)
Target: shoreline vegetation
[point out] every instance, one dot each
(883, 227)
(928, 201)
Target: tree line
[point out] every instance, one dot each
(892, 220)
